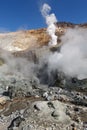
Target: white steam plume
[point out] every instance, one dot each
(17, 67)
(72, 58)
(50, 21)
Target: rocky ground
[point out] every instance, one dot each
(29, 105)
(39, 102)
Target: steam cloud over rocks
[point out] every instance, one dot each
(15, 66)
(50, 21)
(72, 58)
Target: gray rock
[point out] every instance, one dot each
(13, 80)
(55, 114)
(35, 82)
(51, 105)
(45, 95)
(2, 90)
(15, 123)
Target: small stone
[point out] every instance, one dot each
(37, 96)
(21, 112)
(45, 95)
(35, 82)
(55, 114)
(36, 107)
(50, 98)
(50, 105)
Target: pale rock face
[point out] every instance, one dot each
(17, 41)
(30, 39)
(3, 100)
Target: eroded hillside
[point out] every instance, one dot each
(35, 93)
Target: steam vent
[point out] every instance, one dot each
(43, 86)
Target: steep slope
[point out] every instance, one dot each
(22, 40)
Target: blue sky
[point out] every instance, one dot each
(25, 14)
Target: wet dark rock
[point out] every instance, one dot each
(16, 122)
